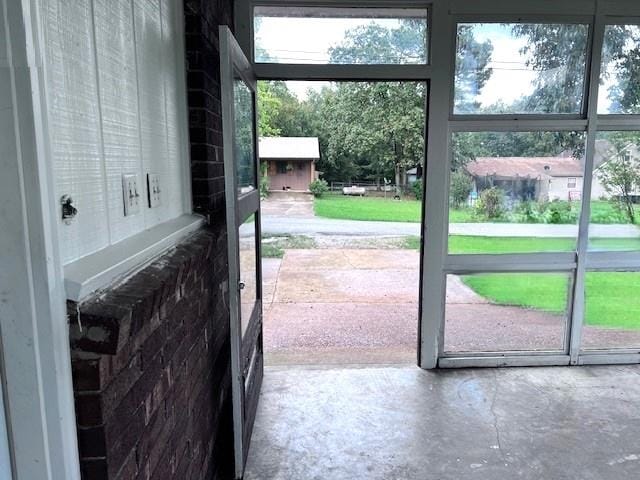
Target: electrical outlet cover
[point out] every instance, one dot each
(131, 194)
(153, 189)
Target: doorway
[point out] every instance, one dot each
(341, 256)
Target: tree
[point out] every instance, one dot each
(472, 70)
(377, 127)
(620, 173)
(461, 187)
(268, 108)
(557, 53)
(621, 52)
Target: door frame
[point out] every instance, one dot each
(34, 332)
(246, 348)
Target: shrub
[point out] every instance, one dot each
(417, 189)
(461, 187)
(318, 187)
(556, 211)
(491, 203)
(561, 212)
(264, 181)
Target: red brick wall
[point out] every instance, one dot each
(150, 356)
(151, 371)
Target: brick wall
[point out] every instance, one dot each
(150, 361)
(202, 19)
(150, 356)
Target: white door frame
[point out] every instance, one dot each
(33, 322)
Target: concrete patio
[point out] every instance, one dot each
(360, 306)
(402, 423)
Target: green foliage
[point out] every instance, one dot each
(461, 187)
(472, 71)
(620, 172)
(417, 189)
(264, 180)
(318, 187)
(491, 203)
(268, 107)
(556, 211)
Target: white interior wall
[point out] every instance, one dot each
(117, 106)
(74, 136)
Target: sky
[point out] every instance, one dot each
(307, 40)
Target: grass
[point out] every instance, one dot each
(274, 247)
(473, 244)
(612, 297)
(368, 208)
(408, 210)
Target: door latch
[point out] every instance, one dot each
(241, 285)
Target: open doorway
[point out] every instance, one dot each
(341, 186)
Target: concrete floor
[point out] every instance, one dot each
(386, 423)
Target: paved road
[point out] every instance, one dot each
(274, 225)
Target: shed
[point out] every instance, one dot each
(290, 161)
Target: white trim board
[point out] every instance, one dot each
(33, 323)
(101, 268)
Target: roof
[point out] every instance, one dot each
(531, 167)
(292, 148)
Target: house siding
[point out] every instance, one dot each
(297, 179)
(151, 355)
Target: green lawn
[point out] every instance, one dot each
(612, 297)
(368, 208)
(408, 210)
(477, 244)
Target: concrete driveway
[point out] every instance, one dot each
(274, 224)
(360, 306)
(287, 205)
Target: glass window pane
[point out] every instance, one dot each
(515, 192)
(620, 70)
(244, 137)
(615, 193)
(497, 312)
(319, 35)
(519, 68)
(612, 310)
(248, 271)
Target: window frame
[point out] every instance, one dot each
(438, 74)
(523, 19)
(292, 71)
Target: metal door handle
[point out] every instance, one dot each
(241, 285)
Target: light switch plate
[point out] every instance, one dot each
(153, 189)
(131, 194)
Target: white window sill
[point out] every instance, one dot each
(101, 268)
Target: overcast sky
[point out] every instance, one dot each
(307, 40)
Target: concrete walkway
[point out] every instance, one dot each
(344, 306)
(305, 225)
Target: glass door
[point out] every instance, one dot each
(241, 167)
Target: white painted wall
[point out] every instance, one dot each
(116, 104)
(559, 190)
